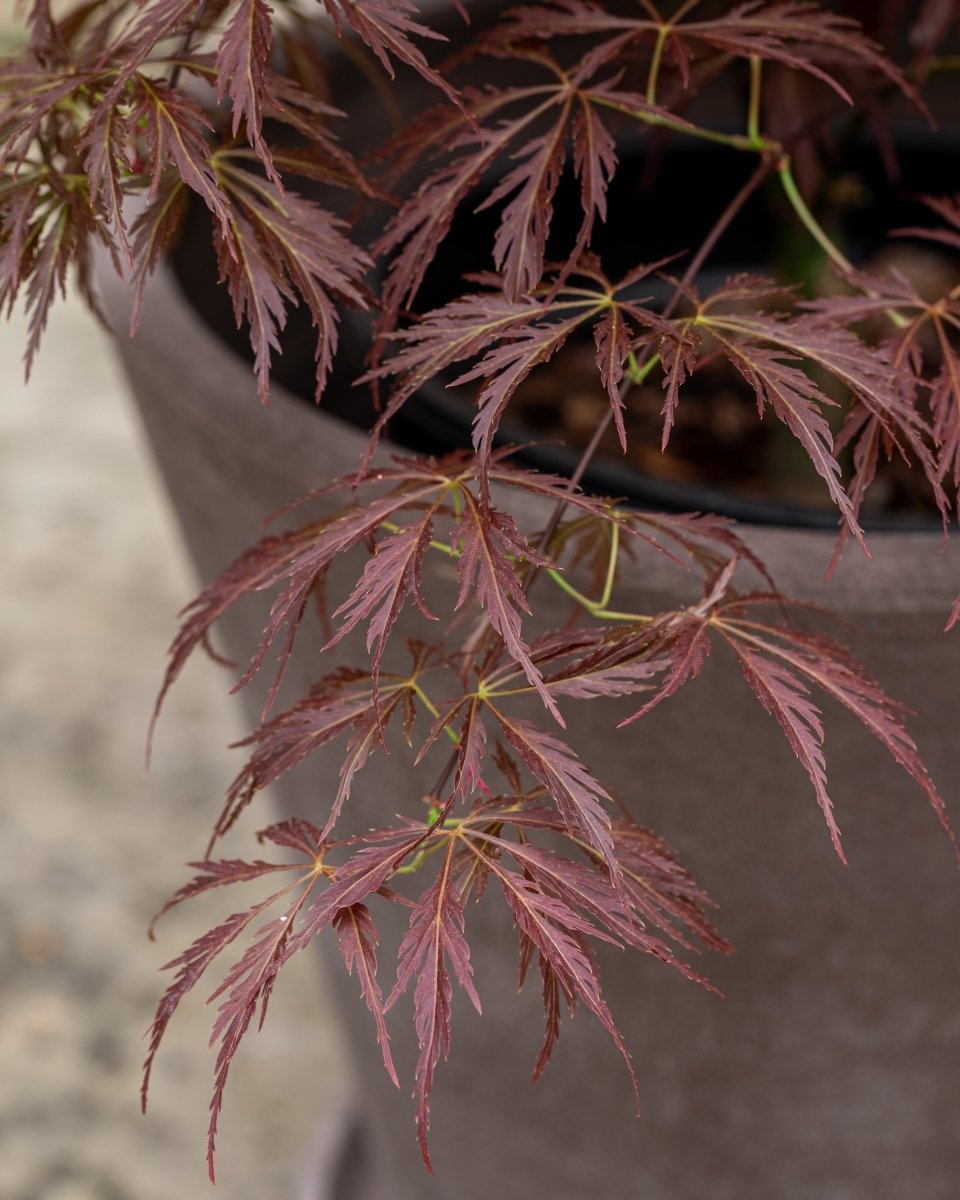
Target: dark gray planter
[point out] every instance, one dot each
(829, 1072)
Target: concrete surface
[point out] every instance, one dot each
(90, 846)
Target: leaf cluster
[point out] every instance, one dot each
(115, 116)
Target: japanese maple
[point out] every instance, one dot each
(222, 103)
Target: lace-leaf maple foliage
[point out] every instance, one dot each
(223, 103)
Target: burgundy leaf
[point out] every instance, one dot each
(242, 58)
(297, 562)
(615, 668)
(606, 95)
(358, 946)
(454, 333)
(387, 27)
(679, 351)
(343, 704)
(220, 873)
(434, 939)
(800, 35)
(367, 736)
(526, 812)
(507, 768)
(471, 748)
(709, 540)
(945, 405)
(174, 131)
(20, 227)
(423, 222)
(613, 345)
(873, 375)
(908, 357)
(56, 241)
(360, 876)
(283, 249)
(555, 931)
(796, 400)
(552, 1013)
(153, 233)
(577, 795)
(783, 661)
(585, 654)
(249, 572)
(552, 487)
(30, 95)
(518, 249)
(686, 644)
(594, 164)
(867, 435)
(317, 153)
(155, 22)
(785, 697)
(661, 891)
(947, 208)
(492, 547)
(46, 39)
(106, 160)
(393, 572)
(505, 367)
(193, 962)
(247, 986)
(581, 887)
(294, 834)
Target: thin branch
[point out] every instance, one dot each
(820, 236)
(706, 247)
(753, 110)
(187, 42)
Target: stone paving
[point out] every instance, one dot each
(90, 845)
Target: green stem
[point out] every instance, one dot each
(638, 372)
(816, 230)
(564, 586)
(420, 858)
(609, 614)
(611, 565)
(592, 605)
(596, 608)
(813, 226)
(433, 711)
(753, 109)
(662, 36)
(736, 141)
(943, 64)
(393, 527)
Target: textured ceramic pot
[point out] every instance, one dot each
(829, 1071)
